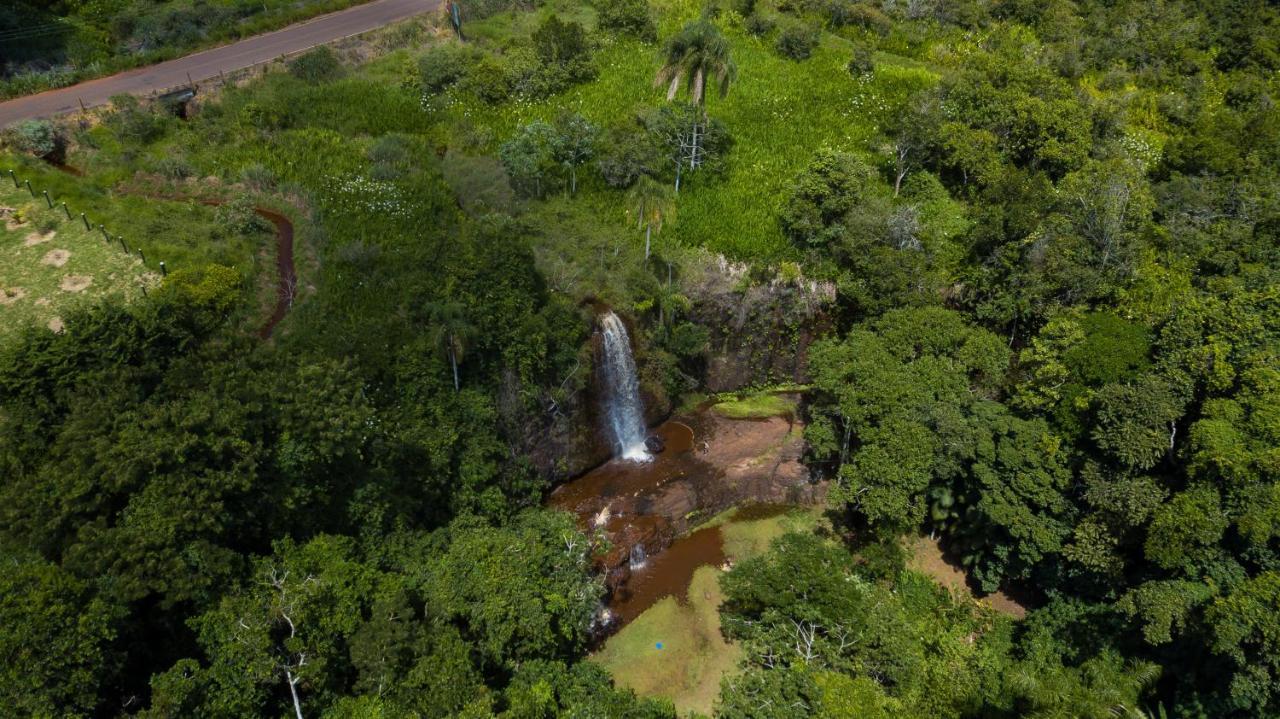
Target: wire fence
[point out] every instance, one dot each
(19, 183)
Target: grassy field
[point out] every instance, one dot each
(52, 263)
(756, 406)
(695, 657)
(769, 111)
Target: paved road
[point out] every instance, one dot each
(206, 64)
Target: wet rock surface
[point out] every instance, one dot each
(709, 464)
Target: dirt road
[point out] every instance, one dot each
(207, 64)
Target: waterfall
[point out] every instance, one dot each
(638, 558)
(624, 414)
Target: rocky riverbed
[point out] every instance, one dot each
(710, 463)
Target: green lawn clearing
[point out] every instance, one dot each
(49, 264)
(695, 657)
(757, 406)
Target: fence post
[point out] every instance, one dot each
(15, 179)
(164, 272)
(144, 257)
(103, 230)
(84, 219)
(29, 188)
(123, 246)
(64, 209)
(46, 198)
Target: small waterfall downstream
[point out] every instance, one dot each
(624, 414)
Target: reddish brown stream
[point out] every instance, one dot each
(645, 509)
(644, 505)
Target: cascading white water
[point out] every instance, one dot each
(624, 414)
(638, 558)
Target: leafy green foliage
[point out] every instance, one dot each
(318, 65)
(57, 634)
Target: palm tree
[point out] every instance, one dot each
(653, 204)
(669, 302)
(451, 332)
(699, 54)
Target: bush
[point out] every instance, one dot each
(840, 14)
(133, 122)
(631, 17)
(745, 8)
(174, 168)
(863, 60)
(798, 42)
(759, 25)
(318, 65)
(625, 155)
(564, 52)
(258, 178)
(489, 80)
(40, 138)
(238, 217)
(443, 65)
(392, 156)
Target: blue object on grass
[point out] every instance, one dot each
(658, 645)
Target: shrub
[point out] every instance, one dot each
(863, 60)
(391, 156)
(258, 178)
(476, 9)
(174, 168)
(625, 155)
(759, 25)
(868, 18)
(238, 217)
(443, 65)
(133, 122)
(489, 80)
(631, 17)
(564, 53)
(744, 8)
(46, 223)
(40, 138)
(318, 65)
(798, 42)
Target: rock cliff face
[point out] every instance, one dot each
(760, 329)
(710, 464)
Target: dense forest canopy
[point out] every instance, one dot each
(1025, 255)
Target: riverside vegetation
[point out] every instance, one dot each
(1028, 254)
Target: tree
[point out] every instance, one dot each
(699, 55)
(1137, 422)
(653, 204)
(688, 138)
(828, 201)
(286, 629)
(452, 332)
(55, 637)
(1244, 627)
(530, 157)
(575, 144)
(519, 592)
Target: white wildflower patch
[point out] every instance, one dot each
(365, 194)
